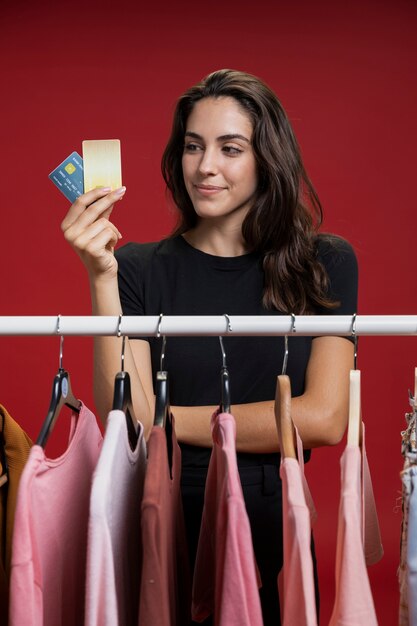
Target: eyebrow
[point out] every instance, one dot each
(228, 137)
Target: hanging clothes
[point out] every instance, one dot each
(407, 571)
(371, 534)
(16, 446)
(298, 603)
(165, 595)
(114, 552)
(50, 534)
(225, 580)
(354, 604)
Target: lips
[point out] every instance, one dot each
(209, 187)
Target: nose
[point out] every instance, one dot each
(208, 163)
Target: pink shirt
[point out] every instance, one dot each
(225, 576)
(354, 604)
(370, 526)
(50, 532)
(298, 602)
(114, 555)
(165, 583)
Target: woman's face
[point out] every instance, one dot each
(218, 162)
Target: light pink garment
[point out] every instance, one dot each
(297, 598)
(50, 532)
(114, 554)
(354, 604)
(225, 576)
(371, 534)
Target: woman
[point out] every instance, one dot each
(246, 244)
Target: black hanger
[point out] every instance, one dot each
(225, 404)
(62, 395)
(224, 383)
(162, 416)
(122, 397)
(293, 330)
(162, 405)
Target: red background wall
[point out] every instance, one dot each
(345, 74)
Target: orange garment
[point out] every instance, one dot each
(16, 446)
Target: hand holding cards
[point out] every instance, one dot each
(99, 167)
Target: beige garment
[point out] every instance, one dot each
(409, 452)
(16, 445)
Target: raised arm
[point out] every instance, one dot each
(88, 230)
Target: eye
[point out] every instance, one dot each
(231, 150)
(191, 147)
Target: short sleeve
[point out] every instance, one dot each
(340, 263)
(129, 280)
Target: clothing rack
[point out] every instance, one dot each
(214, 325)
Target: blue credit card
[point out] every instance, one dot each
(69, 177)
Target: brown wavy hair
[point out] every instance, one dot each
(283, 223)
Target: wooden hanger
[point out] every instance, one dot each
(415, 388)
(354, 424)
(285, 426)
(3, 458)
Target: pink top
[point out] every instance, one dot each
(371, 534)
(298, 602)
(50, 531)
(354, 604)
(165, 583)
(225, 576)
(114, 555)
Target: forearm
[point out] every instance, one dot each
(107, 357)
(320, 414)
(256, 430)
(255, 426)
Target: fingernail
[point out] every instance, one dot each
(104, 188)
(120, 191)
(120, 234)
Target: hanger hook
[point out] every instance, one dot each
(119, 334)
(61, 341)
(158, 330)
(355, 337)
(229, 324)
(293, 330)
(164, 342)
(228, 329)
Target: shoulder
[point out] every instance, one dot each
(336, 255)
(141, 254)
(135, 252)
(335, 252)
(339, 261)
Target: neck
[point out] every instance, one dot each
(216, 241)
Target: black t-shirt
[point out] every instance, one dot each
(173, 278)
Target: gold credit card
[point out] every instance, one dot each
(102, 164)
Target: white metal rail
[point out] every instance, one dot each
(240, 325)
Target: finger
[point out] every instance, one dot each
(89, 206)
(81, 204)
(84, 222)
(100, 207)
(86, 235)
(99, 245)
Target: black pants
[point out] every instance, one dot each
(261, 487)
